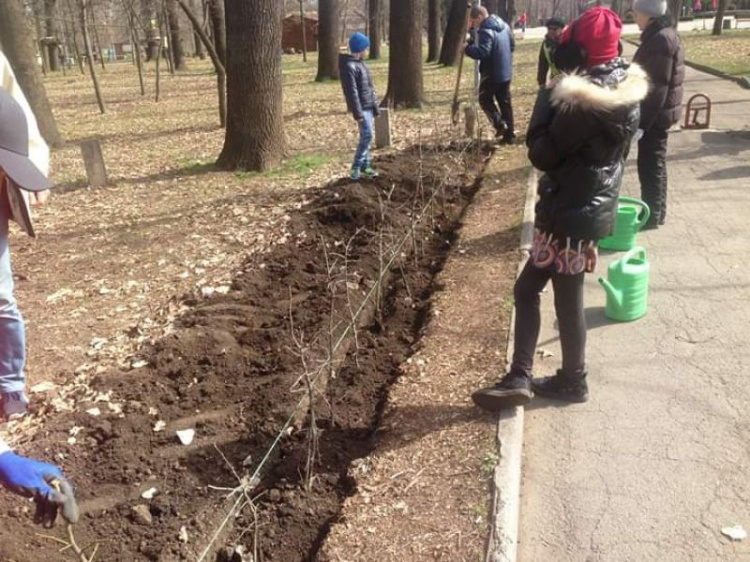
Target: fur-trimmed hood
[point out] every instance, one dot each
(602, 88)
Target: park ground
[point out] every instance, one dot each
(131, 289)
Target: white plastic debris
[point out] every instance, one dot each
(183, 536)
(159, 426)
(94, 412)
(42, 387)
(149, 494)
(736, 533)
(139, 364)
(186, 436)
(153, 411)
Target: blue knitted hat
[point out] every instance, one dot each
(358, 42)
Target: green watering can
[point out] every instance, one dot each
(627, 224)
(627, 286)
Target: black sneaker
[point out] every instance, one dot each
(563, 387)
(508, 139)
(513, 390)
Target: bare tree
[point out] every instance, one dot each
(303, 27)
(18, 44)
(53, 34)
(255, 121)
(329, 13)
(405, 80)
(434, 29)
(455, 32)
(218, 28)
(376, 28)
(719, 19)
(176, 45)
(84, 6)
(221, 74)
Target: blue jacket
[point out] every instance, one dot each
(494, 48)
(359, 89)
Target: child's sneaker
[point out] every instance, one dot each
(14, 404)
(354, 174)
(369, 172)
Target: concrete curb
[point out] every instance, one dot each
(503, 542)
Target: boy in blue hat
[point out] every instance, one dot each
(359, 91)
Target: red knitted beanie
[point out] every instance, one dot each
(598, 30)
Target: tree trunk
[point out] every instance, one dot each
(405, 83)
(76, 50)
(719, 19)
(18, 45)
(168, 33)
(493, 6)
(455, 33)
(376, 28)
(255, 124)
(219, 28)
(433, 30)
(675, 7)
(96, 39)
(221, 74)
(148, 17)
(84, 7)
(328, 40)
(344, 21)
(303, 27)
(175, 37)
(134, 39)
(52, 30)
(200, 50)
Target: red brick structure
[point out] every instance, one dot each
(292, 33)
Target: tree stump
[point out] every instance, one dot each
(470, 116)
(383, 129)
(96, 171)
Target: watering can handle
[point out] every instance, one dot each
(646, 210)
(639, 251)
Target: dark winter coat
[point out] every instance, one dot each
(359, 90)
(663, 58)
(493, 47)
(579, 136)
(546, 56)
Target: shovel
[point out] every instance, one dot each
(456, 106)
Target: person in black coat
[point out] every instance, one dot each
(662, 56)
(361, 100)
(493, 48)
(546, 67)
(579, 136)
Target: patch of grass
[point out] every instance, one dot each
(728, 52)
(489, 462)
(301, 165)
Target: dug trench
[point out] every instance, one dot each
(282, 377)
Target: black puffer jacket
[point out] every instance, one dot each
(359, 89)
(662, 56)
(579, 136)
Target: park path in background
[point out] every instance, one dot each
(657, 462)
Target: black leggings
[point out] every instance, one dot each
(570, 318)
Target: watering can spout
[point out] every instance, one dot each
(612, 293)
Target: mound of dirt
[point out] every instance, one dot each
(236, 370)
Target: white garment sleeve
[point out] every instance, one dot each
(38, 149)
(4, 448)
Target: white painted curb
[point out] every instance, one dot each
(503, 541)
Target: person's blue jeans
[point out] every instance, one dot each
(363, 156)
(12, 334)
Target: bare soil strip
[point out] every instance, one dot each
(233, 370)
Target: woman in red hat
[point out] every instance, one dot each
(580, 133)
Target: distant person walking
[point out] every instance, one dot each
(546, 67)
(663, 58)
(580, 132)
(361, 100)
(522, 21)
(493, 47)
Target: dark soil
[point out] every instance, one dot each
(232, 370)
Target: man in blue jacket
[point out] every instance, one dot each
(359, 91)
(493, 47)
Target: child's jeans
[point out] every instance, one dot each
(12, 336)
(363, 156)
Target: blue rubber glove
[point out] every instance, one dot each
(41, 481)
